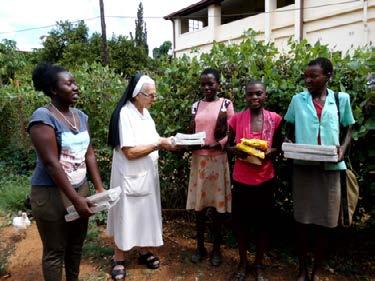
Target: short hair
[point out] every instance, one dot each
(324, 63)
(212, 71)
(45, 78)
(255, 82)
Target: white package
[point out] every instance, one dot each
(103, 201)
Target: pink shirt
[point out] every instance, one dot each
(205, 121)
(319, 110)
(244, 172)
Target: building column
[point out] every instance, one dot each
(298, 20)
(270, 6)
(214, 18)
(177, 24)
(365, 22)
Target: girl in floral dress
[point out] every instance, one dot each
(209, 183)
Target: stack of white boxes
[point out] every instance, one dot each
(310, 152)
(192, 139)
(103, 201)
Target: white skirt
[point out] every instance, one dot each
(136, 219)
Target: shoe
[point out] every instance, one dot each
(149, 260)
(304, 278)
(199, 255)
(239, 276)
(118, 274)
(215, 258)
(259, 269)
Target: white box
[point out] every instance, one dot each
(310, 156)
(186, 139)
(310, 148)
(109, 195)
(96, 209)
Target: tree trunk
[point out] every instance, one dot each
(105, 57)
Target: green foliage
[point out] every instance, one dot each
(93, 248)
(140, 30)
(282, 74)
(66, 44)
(13, 190)
(125, 57)
(70, 45)
(100, 90)
(17, 102)
(162, 51)
(11, 61)
(178, 87)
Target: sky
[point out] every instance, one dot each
(16, 15)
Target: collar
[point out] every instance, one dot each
(132, 107)
(330, 97)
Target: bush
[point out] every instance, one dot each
(178, 87)
(282, 73)
(100, 89)
(13, 190)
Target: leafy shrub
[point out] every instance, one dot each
(100, 89)
(282, 73)
(178, 87)
(13, 190)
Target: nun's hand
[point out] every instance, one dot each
(167, 144)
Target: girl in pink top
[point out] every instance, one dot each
(252, 184)
(209, 182)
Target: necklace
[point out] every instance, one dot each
(74, 125)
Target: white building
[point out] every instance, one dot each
(339, 23)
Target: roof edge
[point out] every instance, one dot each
(192, 8)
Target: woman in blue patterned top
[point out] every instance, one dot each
(313, 117)
(61, 139)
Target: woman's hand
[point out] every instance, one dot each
(268, 153)
(215, 145)
(287, 140)
(82, 206)
(99, 189)
(237, 152)
(271, 152)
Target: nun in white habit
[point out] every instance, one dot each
(135, 221)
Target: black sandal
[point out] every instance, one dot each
(239, 276)
(259, 272)
(216, 258)
(199, 255)
(149, 260)
(118, 274)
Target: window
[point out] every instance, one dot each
(195, 25)
(283, 3)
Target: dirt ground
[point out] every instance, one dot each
(24, 250)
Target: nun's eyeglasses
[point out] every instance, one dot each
(151, 96)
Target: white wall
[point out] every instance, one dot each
(341, 26)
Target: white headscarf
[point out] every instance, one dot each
(143, 80)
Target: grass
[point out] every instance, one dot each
(93, 248)
(13, 190)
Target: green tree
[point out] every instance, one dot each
(69, 45)
(125, 57)
(140, 30)
(11, 61)
(66, 44)
(162, 51)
